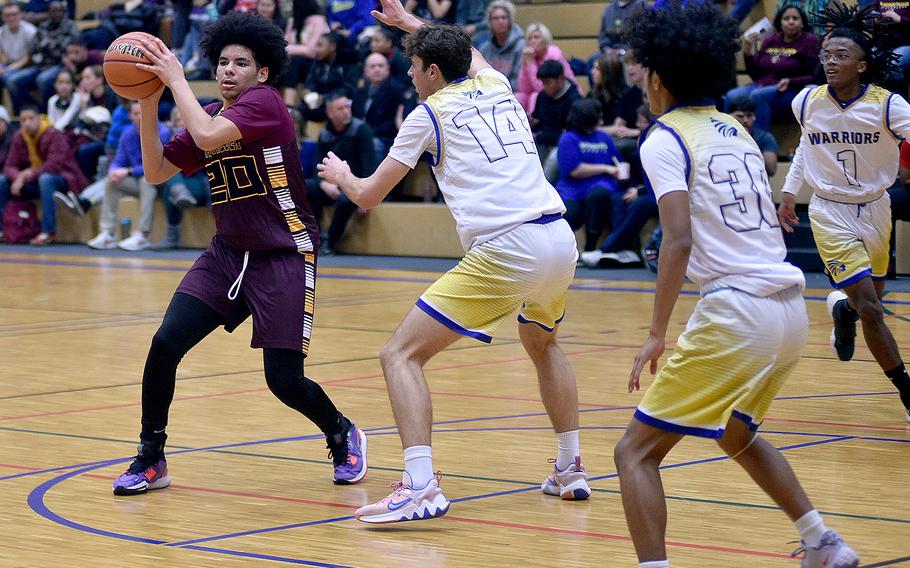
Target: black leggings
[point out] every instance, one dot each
(187, 321)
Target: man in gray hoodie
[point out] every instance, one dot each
(505, 42)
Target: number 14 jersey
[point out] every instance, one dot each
(483, 154)
(848, 151)
(736, 238)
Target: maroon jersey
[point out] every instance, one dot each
(258, 189)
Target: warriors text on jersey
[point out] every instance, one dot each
(849, 150)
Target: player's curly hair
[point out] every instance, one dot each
(692, 47)
(867, 30)
(250, 30)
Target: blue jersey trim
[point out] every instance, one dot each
(545, 219)
(802, 110)
(451, 324)
(853, 279)
(747, 419)
(888, 117)
(438, 138)
(683, 146)
(676, 428)
(522, 319)
(845, 104)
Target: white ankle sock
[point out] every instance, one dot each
(655, 564)
(811, 528)
(567, 449)
(418, 462)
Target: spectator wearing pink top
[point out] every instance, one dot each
(539, 48)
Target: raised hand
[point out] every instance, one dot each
(393, 14)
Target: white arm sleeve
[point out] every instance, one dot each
(665, 163)
(794, 180)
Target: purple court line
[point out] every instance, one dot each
(36, 503)
(581, 287)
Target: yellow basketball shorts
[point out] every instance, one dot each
(733, 358)
(528, 269)
(852, 239)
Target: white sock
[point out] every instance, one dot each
(418, 462)
(811, 528)
(655, 564)
(567, 449)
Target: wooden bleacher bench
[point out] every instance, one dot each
(564, 20)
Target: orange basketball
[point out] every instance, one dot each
(120, 69)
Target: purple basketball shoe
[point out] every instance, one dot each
(349, 456)
(144, 473)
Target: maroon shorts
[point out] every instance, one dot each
(278, 288)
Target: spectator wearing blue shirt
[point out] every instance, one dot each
(349, 17)
(127, 176)
(588, 174)
(743, 110)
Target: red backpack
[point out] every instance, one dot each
(20, 222)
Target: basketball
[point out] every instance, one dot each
(120, 69)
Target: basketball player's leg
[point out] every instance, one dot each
(187, 321)
(638, 456)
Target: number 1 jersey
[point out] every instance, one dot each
(258, 190)
(484, 156)
(848, 151)
(736, 237)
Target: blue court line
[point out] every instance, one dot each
(580, 287)
(260, 531)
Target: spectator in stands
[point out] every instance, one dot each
(469, 14)
(78, 56)
(548, 121)
(6, 136)
(587, 172)
(271, 10)
(94, 91)
(131, 16)
(611, 22)
(195, 65)
(36, 11)
(54, 35)
(539, 47)
(243, 6)
(40, 162)
(181, 192)
(92, 127)
(899, 31)
(618, 100)
(63, 108)
(442, 11)
(743, 110)
(380, 102)
(782, 66)
(385, 43)
(126, 176)
(351, 139)
(327, 75)
(304, 29)
(349, 17)
(505, 43)
(17, 40)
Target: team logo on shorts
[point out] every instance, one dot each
(836, 267)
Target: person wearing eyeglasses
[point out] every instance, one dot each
(848, 154)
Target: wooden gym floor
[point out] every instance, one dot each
(252, 486)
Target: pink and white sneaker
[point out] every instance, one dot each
(569, 484)
(406, 503)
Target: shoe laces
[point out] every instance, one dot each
(800, 550)
(338, 452)
(142, 461)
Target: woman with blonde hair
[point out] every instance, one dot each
(539, 47)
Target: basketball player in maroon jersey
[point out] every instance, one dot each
(262, 260)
